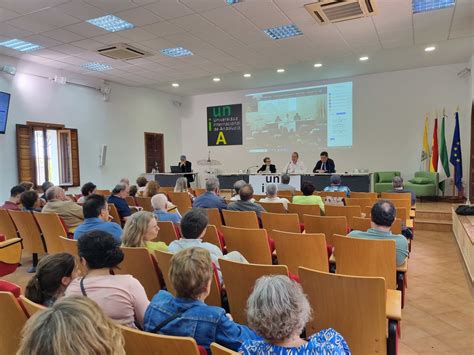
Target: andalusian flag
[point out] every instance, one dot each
(434, 148)
(425, 151)
(443, 162)
(456, 156)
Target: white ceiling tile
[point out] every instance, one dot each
(204, 5)
(432, 26)
(263, 13)
(157, 44)
(462, 27)
(194, 23)
(50, 54)
(188, 41)
(88, 44)
(43, 41)
(29, 6)
(82, 10)
(73, 60)
(112, 6)
(111, 38)
(28, 24)
(139, 16)
(291, 4)
(85, 29)
(9, 31)
(68, 49)
(137, 35)
(169, 9)
(62, 35)
(6, 14)
(163, 28)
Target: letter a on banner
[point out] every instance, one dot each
(221, 139)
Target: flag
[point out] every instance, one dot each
(456, 156)
(443, 162)
(425, 151)
(434, 148)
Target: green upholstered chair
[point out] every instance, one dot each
(424, 184)
(383, 180)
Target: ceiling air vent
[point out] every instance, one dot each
(122, 51)
(332, 11)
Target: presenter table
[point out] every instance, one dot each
(355, 182)
(169, 179)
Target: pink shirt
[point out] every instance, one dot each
(121, 297)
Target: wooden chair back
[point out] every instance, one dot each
(114, 214)
(72, 197)
(217, 349)
(130, 200)
(199, 192)
(12, 320)
(366, 257)
(103, 192)
(7, 227)
(166, 189)
(258, 197)
(332, 194)
(30, 306)
(145, 203)
(29, 231)
(251, 243)
(402, 213)
(285, 194)
(211, 236)
(273, 207)
(70, 246)
(239, 281)
(301, 210)
(240, 219)
(396, 196)
(347, 211)
(52, 228)
(296, 249)
(281, 221)
(215, 217)
(362, 202)
(181, 200)
(327, 225)
(360, 224)
(138, 342)
(338, 299)
(370, 195)
(138, 262)
(167, 233)
(396, 226)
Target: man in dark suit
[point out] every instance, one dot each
(186, 167)
(325, 165)
(267, 167)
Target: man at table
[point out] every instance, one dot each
(186, 167)
(325, 164)
(295, 166)
(267, 167)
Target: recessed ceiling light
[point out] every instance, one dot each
(216, 79)
(363, 58)
(96, 66)
(175, 85)
(281, 32)
(318, 65)
(176, 52)
(232, 2)
(280, 70)
(430, 5)
(19, 45)
(247, 75)
(430, 49)
(111, 23)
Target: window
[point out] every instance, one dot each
(48, 152)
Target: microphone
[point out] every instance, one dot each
(287, 167)
(209, 156)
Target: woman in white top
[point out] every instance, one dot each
(295, 166)
(272, 191)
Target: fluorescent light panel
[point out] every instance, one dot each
(418, 6)
(175, 85)
(176, 52)
(280, 70)
(247, 75)
(111, 23)
(281, 32)
(96, 66)
(430, 49)
(216, 79)
(232, 2)
(21, 46)
(363, 58)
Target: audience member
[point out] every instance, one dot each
(121, 297)
(97, 218)
(336, 185)
(237, 186)
(87, 189)
(245, 203)
(382, 217)
(69, 211)
(13, 202)
(186, 314)
(141, 183)
(307, 188)
(397, 183)
(193, 228)
(44, 187)
(285, 184)
(151, 188)
(30, 201)
(272, 192)
(73, 326)
(133, 190)
(182, 186)
(211, 198)
(139, 231)
(161, 206)
(278, 311)
(125, 181)
(119, 193)
(28, 185)
(53, 274)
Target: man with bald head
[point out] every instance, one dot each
(70, 212)
(245, 203)
(160, 206)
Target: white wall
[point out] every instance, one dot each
(388, 110)
(119, 123)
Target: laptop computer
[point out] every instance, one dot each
(176, 169)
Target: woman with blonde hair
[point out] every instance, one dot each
(139, 231)
(73, 326)
(182, 186)
(151, 188)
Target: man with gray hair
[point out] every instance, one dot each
(397, 183)
(336, 185)
(186, 167)
(237, 186)
(285, 184)
(211, 198)
(70, 212)
(272, 192)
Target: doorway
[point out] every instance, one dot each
(154, 152)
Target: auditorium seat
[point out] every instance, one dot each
(347, 211)
(370, 195)
(281, 221)
(130, 200)
(360, 224)
(12, 320)
(199, 192)
(240, 219)
(105, 193)
(356, 307)
(258, 197)
(70, 246)
(285, 194)
(215, 217)
(30, 306)
(51, 228)
(181, 200)
(217, 349)
(328, 225)
(361, 202)
(114, 214)
(273, 207)
(145, 203)
(10, 255)
(212, 236)
(253, 244)
(7, 227)
(340, 194)
(239, 280)
(301, 210)
(167, 233)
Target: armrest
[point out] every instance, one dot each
(393, 305)
(10, 251)
(9, 242)
(403, 267)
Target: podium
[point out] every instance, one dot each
(169, 179)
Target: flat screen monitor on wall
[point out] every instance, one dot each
(4, 104)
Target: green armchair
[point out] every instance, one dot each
(424, 184)
(383, 180)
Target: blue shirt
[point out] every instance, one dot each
(167, 216)
(121, 205)
(206, 324)
(325, 342)
(342, 188)
(210, 200)
(94, 224)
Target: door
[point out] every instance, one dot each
(154, 152)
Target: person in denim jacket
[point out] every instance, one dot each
(186, 314)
